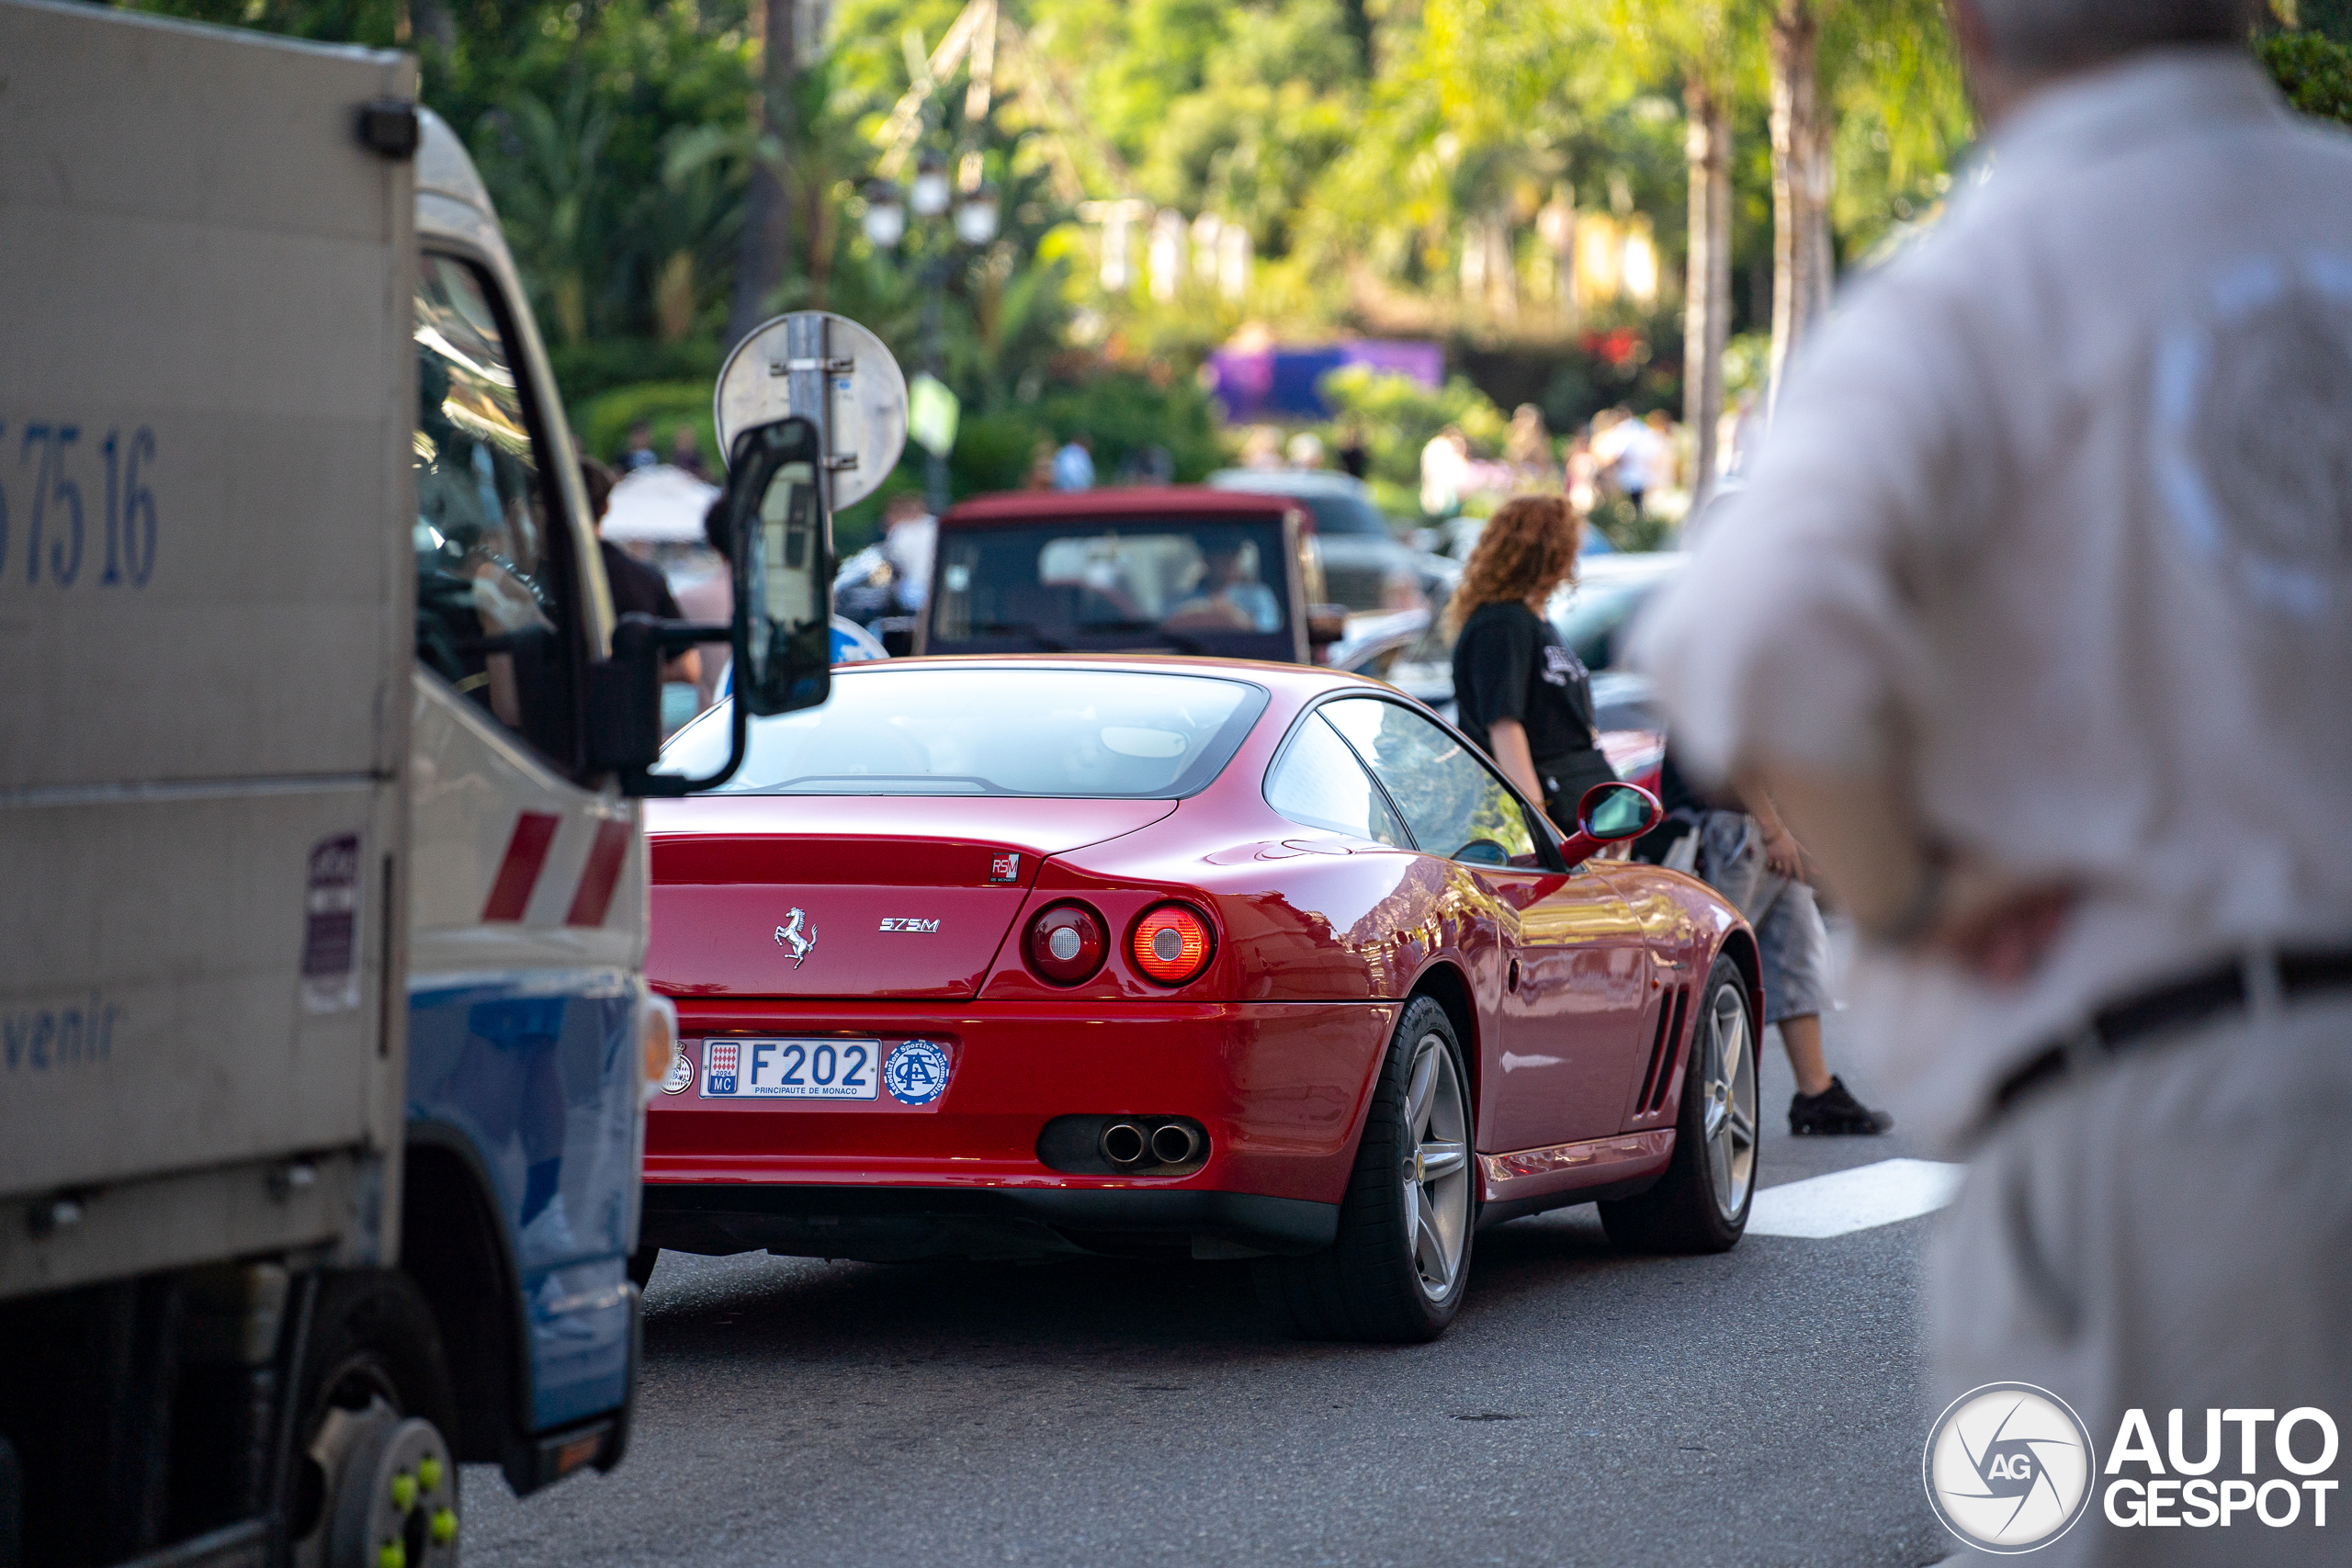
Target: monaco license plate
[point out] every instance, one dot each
(790, 1069)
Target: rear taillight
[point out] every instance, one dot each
(1066, 943)
(1170, 944)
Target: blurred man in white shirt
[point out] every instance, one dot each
(2036, 618)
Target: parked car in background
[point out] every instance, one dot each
(1595, 614)
(1365, 566)
(1174, 569)
(1415, 654)
(1178, 958)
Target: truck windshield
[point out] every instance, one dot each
(1207, 586)
(1086, 733)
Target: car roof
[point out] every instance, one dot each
(1636, 565)
(1296, 684)
(1143, 500)
(1290, 481)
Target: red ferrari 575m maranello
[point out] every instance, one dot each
(1017, 958)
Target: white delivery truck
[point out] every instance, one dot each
(322, 1032)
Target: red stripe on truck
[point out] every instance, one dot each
(519, 872)
(604, 874)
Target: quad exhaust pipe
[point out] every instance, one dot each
(1131, 1145)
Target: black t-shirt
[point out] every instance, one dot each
(637, 586)
(1511, 663)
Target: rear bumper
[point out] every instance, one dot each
(1279, 1087)
(897, 1224)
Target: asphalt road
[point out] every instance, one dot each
(1764, 1406)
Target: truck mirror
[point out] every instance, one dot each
(780, 543)
(784, 573)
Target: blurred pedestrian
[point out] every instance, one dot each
(1304, 451)
(2037, 632)
(910, 540)
(1520, 690)
(1735, 842)
(1640, 456)
(1528, 449)
(1041, 467)
(1354, 460)
(638, 452)
(1074, 464)
(1150, 464)
(1445, 472)
(635, 587)
(685, 452)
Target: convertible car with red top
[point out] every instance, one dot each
(1033, 957)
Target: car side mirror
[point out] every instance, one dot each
(1326, 623)
(782, 635)
(1610, 814)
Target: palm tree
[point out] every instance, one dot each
(1701, 42)
(1891, 60)
(546, 175)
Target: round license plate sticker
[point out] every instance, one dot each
(916, 1073)
(681, 1075)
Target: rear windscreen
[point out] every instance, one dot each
(1090, 733)
(1204, 586)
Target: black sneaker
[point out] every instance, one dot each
(1835, 1113)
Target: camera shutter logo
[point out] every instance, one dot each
(2009, 1467)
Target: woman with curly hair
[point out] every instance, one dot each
(1518, 690)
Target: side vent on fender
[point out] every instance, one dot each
(1671, 1010)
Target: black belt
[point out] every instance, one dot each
(2221, 992)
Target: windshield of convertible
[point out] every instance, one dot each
(1205, 585)
(1087, 733)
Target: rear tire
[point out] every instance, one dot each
(1398, 1268)
(378, 1405)
(1700, 1204)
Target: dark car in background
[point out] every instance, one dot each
(1175, 569)
(1365, 566)
(1594, 617)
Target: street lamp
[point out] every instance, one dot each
(931, 192)
(976, 216)
(973, 216)
(885, 215)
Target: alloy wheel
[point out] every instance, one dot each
(1729, 1090)
(1436, 1166)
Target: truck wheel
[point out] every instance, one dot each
(1700, 1204)
(375, 1484)
(1397, 1271)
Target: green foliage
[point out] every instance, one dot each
(586, 369)
(602, 423)
(2314, 71)
(1629, 530)
(1399, 416)
(1125, 412)
(1359, 142)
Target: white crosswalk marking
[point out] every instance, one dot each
(1856, 1200)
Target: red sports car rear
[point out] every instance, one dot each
(1025, 957)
